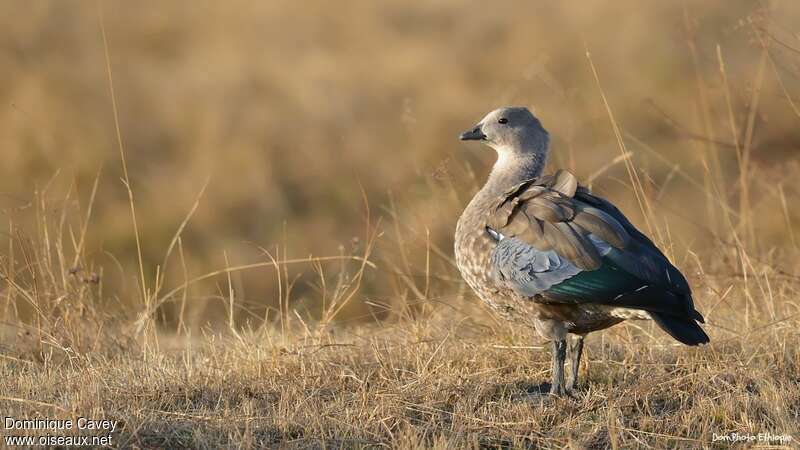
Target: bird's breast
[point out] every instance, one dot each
(473, 250)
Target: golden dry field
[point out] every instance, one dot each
(230, 224)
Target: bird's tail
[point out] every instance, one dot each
(685, 330)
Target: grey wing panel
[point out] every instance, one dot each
(526, 270)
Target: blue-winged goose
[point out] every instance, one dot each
(546, 252)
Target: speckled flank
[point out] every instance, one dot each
(473, 249)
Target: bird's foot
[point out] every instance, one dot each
(564, 393)
(570, 391)
(572, 386)
(544, 393)
(558, 391)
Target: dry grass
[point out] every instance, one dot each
(433, 383)
(183, 301)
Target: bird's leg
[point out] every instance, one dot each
(575, 352)
(559, 356)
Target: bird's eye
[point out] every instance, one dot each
(502, 120)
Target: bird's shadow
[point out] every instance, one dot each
(534, 389)
(519, 391)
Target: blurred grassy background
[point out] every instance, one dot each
(288, 109)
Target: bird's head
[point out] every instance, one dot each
(512, 131)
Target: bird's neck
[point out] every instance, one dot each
(508, 171)
(511, 169)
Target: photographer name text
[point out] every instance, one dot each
(81, 423)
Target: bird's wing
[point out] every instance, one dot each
(558, 243)
(545, 215)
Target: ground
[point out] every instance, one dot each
(418, 384)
